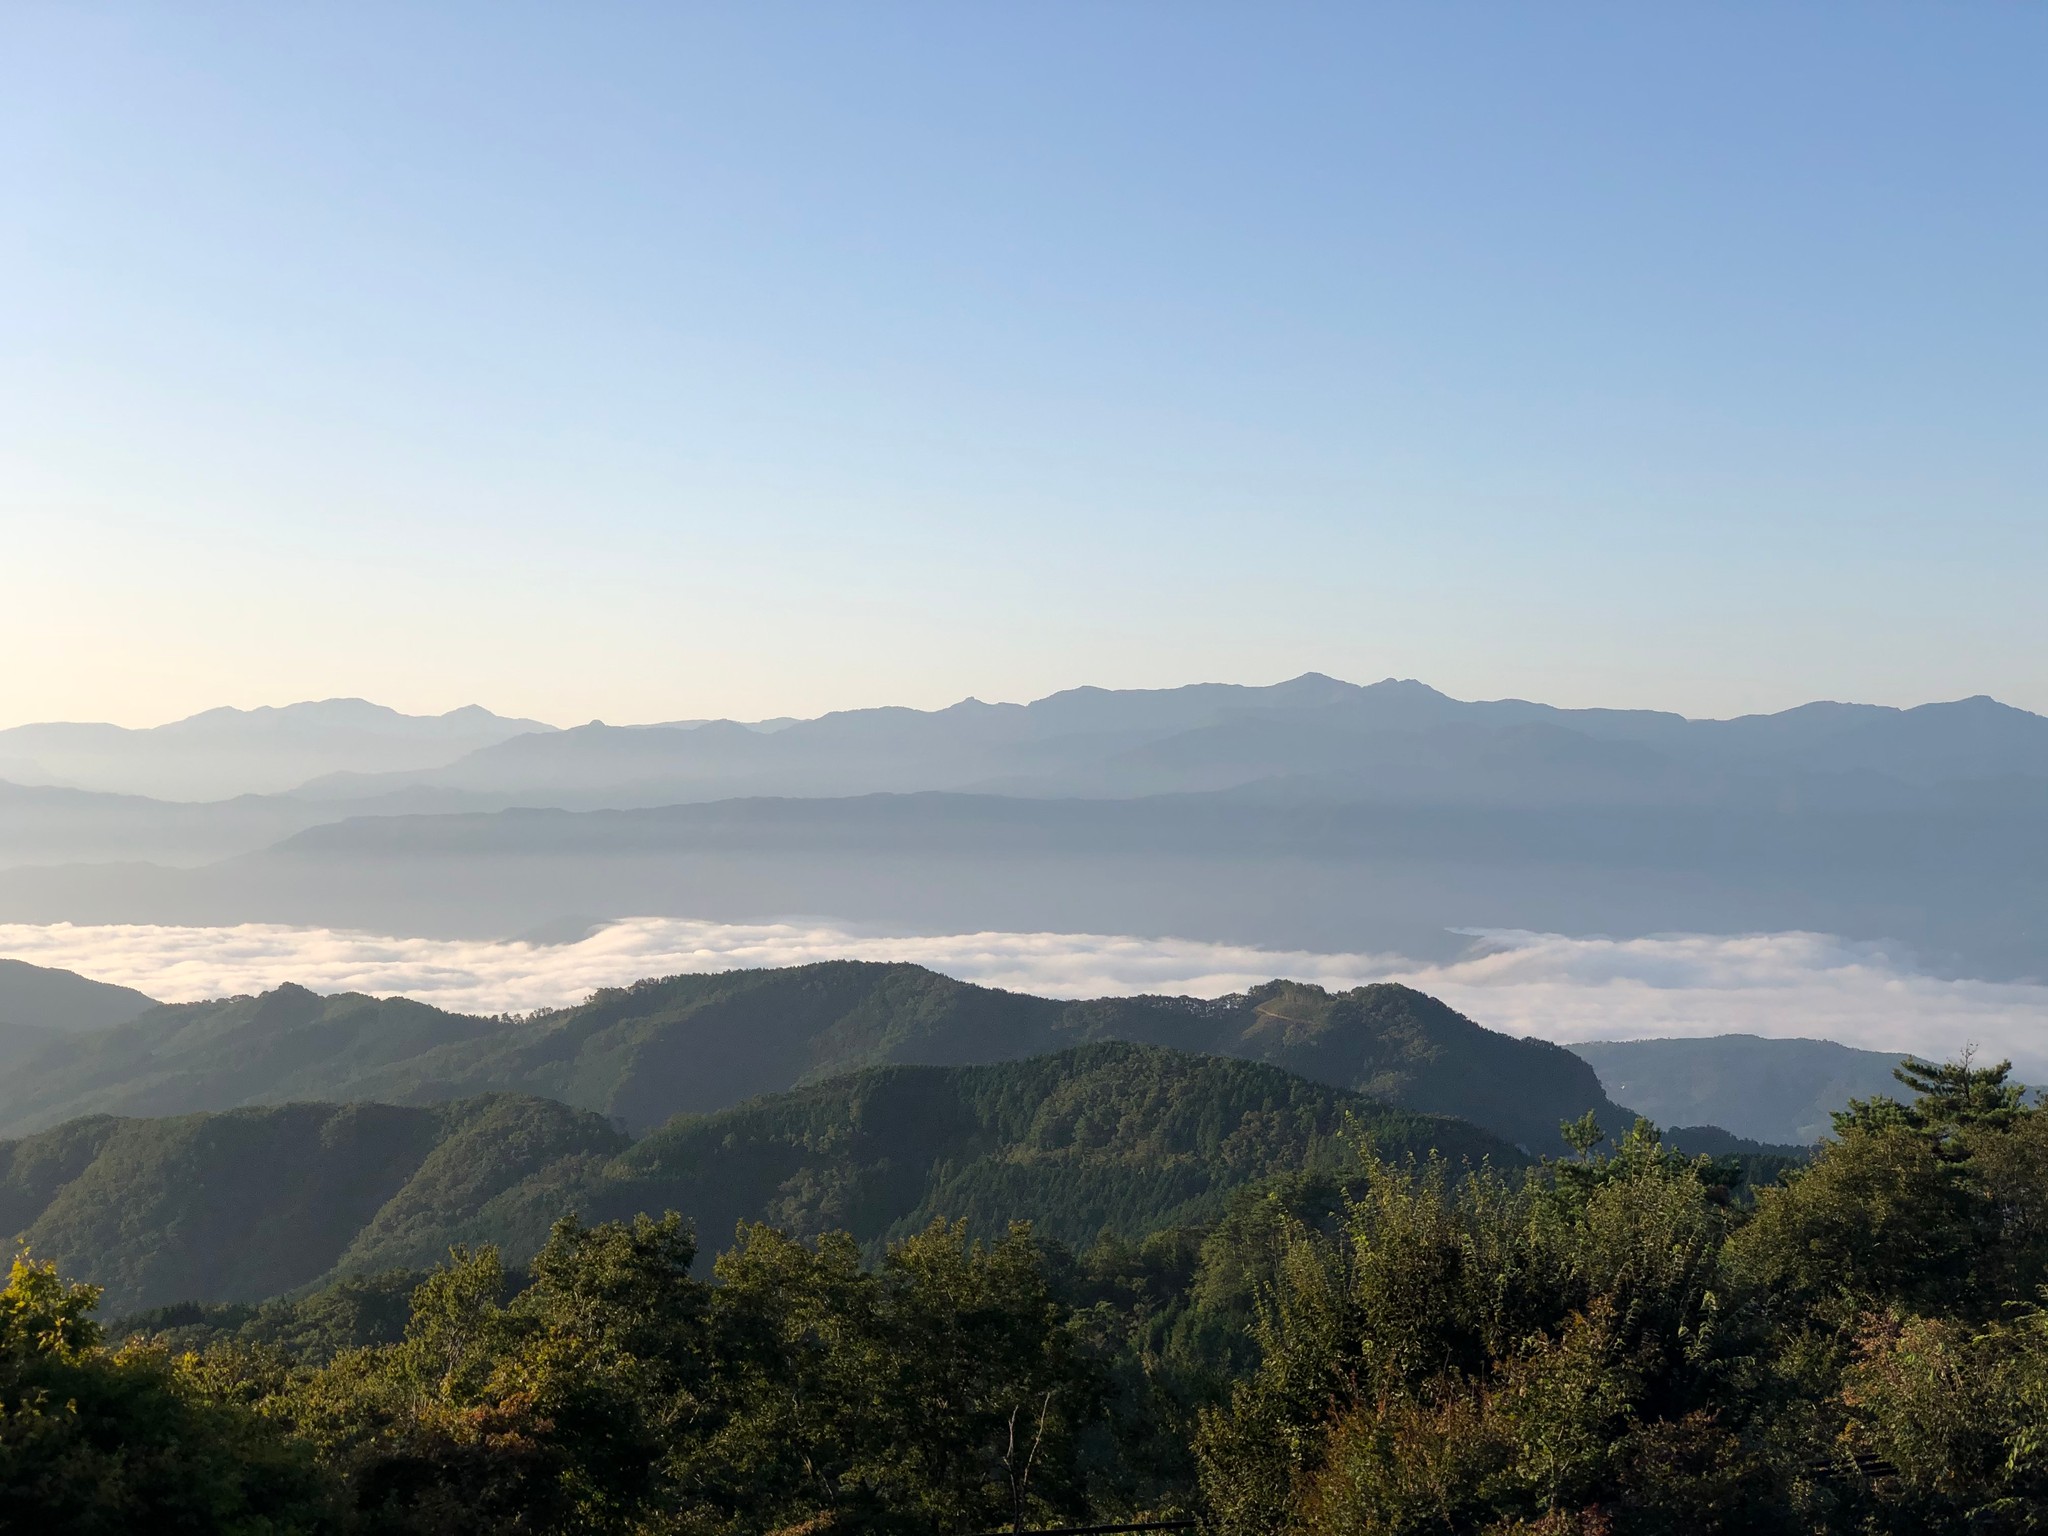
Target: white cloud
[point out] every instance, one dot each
(1783, 984)
(1526, 983)
(181, 964)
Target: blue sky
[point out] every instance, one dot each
(657, 362)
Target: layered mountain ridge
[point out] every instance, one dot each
(1397, 739)
(93, 1051)
(221, 753)
(697, 1044)
(1311, 814)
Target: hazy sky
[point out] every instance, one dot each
(593, 360)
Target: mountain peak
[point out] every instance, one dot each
(1407, 687)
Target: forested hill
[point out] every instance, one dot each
(250, 1203)
(1110, 1136)
(253, 1202)
(702, 1043)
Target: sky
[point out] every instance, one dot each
(660, 362)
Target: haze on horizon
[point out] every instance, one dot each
(700, 363)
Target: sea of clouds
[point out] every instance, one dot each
(1561, 988)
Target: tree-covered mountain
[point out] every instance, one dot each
(1766, 1090)
(694, 1044)
(250, 1203)
(1105, 1137)
(284, 1045)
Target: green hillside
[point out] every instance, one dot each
(286, 1045)
(1110, 1136)
(249, 1203)
(695, 1044)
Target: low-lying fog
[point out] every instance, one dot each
(1561, 988)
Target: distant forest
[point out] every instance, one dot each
(1372, 1338)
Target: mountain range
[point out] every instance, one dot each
(1311, 814)
(695, 1043)
(38, 1004)
(1397, 741)
(223, 753)
(640, 1055)
(244, 1148)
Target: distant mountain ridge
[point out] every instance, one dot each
(1393, 740)
(1396, 739)
(221, 753)
(39, 1005)
(1765, 1090)
(64, 1001)
(1313, 739)
(1960, 887)
(702, 1043)
(250, 1203)
(1313, 814)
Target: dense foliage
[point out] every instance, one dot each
(1618, 1348)
(698, 1044)
(92, 1441)
(1622, 1341)
(948, 1388)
